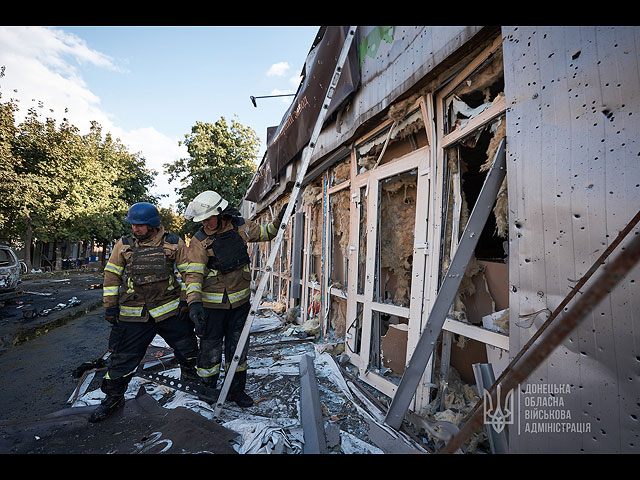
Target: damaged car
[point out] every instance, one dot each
(9, 269)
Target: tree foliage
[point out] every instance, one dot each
(60, 185)
(221, 158)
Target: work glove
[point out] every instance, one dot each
(111, 315)
(196, 314)
(281, 214)
(183, 311)
(97, 363)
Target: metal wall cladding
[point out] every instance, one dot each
(573, 124)
(392, 60)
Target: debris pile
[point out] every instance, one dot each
(348, 421)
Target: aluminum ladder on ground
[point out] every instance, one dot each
(448, 290)
(306, 158)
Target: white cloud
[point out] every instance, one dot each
(36, 70)
(295, 81)
(157, 149)
(279, 69)
(40, 66)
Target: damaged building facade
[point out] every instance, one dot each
(417, 120)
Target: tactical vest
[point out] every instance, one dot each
(228, 248)
(149, 264)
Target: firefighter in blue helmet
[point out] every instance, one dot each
(143, 297)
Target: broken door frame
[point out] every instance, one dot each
(419, 160)
(328, 288)
(447, 140)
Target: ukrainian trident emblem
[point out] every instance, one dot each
(499, 417)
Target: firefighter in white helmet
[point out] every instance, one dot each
(218, 285)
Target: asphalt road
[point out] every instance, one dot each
(37, 373)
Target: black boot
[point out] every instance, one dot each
(114, 400)
(189, 374)
(109, 405)
(210, 382)
(236, 391)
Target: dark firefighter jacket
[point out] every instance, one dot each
(140, 278)
(206, 282)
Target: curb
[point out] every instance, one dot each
(29, 333)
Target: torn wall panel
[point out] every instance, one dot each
(397, 224)
(340, 217)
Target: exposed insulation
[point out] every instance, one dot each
(500, 210)
(310, 194)
(362, 234)
(459, 399)
(340, 209)
(369, 153)
(338, 316)
(310, 198)
(398, 110)
(397, 221)
(342, 172)
(467, 288)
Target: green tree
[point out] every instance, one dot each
(171, 220)
(63, 185)
(128, 179)
(222, 157)
(15, 188)
(67, 181)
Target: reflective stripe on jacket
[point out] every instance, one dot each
(158, 300)
(223, 290)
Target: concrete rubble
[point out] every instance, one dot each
(350, 423)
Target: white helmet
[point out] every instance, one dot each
(205, 205)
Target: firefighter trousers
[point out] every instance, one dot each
(129, 341)
(223, 329)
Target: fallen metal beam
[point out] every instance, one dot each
(560, 308)
(484, 375)
(607, 281)
(203, 392)
(447, 293)
(315, 440)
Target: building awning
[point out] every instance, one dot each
(296, 126)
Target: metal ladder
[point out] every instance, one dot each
(306, 158)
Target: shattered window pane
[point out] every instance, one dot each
(476, 94)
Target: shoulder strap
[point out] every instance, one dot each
(237, 222)
(171, 238)
(200, 235)
(127, 240)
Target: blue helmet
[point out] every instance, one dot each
(143, 213)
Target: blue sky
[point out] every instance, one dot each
(149, 85)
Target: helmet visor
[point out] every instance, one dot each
(198, 211)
